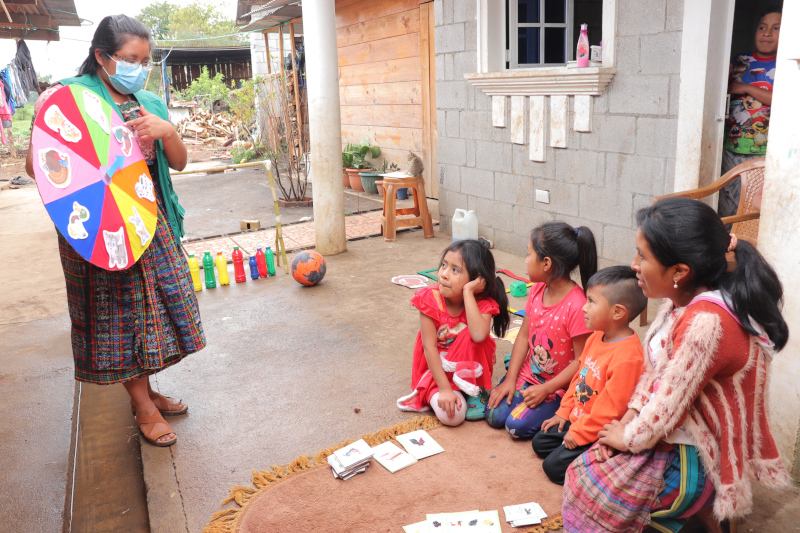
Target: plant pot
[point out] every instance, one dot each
(381, 190)
(345, 178)
(402, 194)
(355, 179)
(368, 180)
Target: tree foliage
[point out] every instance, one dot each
(192, 25)
(204, 84)
(242, 101)
(156, 17)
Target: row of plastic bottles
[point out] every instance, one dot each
(261, 265)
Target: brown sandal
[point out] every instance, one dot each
(166, 406)
(154, 427)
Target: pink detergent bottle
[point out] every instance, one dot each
(582, 52)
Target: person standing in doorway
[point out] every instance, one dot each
(751, 81)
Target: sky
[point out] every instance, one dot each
(62, 58)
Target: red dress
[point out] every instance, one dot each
(468, 364)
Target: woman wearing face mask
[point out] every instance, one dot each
(129, 324)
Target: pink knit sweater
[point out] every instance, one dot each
(712, 380)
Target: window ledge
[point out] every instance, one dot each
(547, 81)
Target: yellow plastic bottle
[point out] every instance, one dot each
(222, 269)
(194, 268)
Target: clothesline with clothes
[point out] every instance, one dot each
(17, 80)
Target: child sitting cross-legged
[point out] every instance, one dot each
(610, 366)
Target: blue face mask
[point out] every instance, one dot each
(128, 79)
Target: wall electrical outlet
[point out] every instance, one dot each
(542, 196)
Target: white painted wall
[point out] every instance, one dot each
(779, 232)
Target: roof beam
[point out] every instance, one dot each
(35, 35)
(6, 10)
(21, 20)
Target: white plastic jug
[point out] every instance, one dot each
(465, 225)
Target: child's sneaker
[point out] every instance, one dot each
(507, 360)
(476, 406)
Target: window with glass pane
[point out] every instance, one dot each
(542, 32)
(528, 11)
(528, 45)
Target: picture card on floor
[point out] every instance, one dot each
(419, 527)
(391, 457)
(524, 514)
(419, 444)
(353, 453)
(471, 521)
(437, 523)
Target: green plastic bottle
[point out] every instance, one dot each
(208, 268)
(194, 268)
(270, 261)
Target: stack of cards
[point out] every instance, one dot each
(351, 460)
(524, 514)
(391, 457)
(419, 444)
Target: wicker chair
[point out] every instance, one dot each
(745, 221)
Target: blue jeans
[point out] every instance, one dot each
(520, 421)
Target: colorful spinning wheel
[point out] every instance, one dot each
(93, 179)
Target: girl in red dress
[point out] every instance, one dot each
(454, 353)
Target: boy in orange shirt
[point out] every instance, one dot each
(611, 364)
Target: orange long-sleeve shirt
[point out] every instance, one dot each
(600, 391)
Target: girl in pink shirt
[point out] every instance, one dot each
(553, 332)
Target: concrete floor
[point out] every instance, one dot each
(36, 383)
(243, 195)
(284, 369)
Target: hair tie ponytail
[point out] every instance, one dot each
(734, 242)
(576, 230)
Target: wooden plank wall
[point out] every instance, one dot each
(183, 74)
(381, 77)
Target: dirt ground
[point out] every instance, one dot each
(11, 167)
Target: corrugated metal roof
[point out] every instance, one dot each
(244, 11)
(37, 21)
(268, 18)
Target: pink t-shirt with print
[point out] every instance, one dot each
(550, 336)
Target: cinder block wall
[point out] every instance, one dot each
(258, 54)
(603, 177)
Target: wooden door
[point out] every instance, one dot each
(428, 66)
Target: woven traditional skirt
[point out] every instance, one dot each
(661, 488)
(131, 323)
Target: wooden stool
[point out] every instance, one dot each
(412, 216)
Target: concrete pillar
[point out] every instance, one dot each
(778, 232)
(705, 51)
(322, 73)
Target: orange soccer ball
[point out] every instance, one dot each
(308, 268)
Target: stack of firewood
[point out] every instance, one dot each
(206, 127)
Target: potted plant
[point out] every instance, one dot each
(369, 181)
(387, 168)
(354, 159)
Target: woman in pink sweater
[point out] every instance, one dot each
(696, 431)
